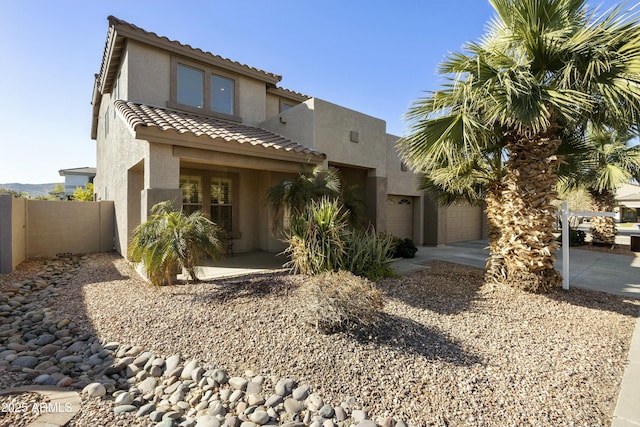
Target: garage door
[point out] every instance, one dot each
(464, 222)
(400, 216)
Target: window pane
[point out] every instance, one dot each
(221, 216)
(191, 189)
(221, 191)
(221, 203)
(190, 86)
(221, 95)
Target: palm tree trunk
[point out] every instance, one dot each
(603, 229)
(527, 238)
(495, 271)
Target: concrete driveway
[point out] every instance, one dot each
(616, 274)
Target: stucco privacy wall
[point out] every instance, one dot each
(43, 228)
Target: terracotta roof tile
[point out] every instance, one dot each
(119, 23)
(136, 114)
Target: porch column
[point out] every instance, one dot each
(161, 178)
(377, 200)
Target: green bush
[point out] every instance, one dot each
(335, 301)
(317, 238)
(368, 254)
(404, 248)
(576, 237)
(170, 240)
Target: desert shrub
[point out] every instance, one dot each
(317, 238)
(170, 240)
(334, 301)
(404, 248)
(368, 254)
(576, 237)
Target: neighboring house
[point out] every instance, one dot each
(76, 177)
(173, 122)
(628, 197)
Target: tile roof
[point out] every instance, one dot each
(121, 26)
(136, 114)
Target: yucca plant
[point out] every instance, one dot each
(170, 241)
(369, 253)
(317, 238)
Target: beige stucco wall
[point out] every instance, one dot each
(77, 227)
(272, 105)
(399, 181)
(18, 231)
(252, 104)
(116, 153)
(148, 74)
(327, 128)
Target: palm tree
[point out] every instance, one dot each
(293, 195)
(609, 160)
(543, 69)
(170, 240)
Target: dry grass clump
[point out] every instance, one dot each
(332, 301)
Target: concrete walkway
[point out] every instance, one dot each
(62, 407)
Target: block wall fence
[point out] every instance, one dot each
(45, 228)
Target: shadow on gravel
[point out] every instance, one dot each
(406, 335)
(443, 288)
(248, 286)
(597, 301)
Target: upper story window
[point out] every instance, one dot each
(190, 86)
(285, 106)
(199, 89)
(221, 94)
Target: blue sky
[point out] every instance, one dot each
(373, 56)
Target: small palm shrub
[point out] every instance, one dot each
(335, 301)
(368, 254)
(317, 238)
(170, 240)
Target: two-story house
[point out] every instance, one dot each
(76, 177)
(173, 122)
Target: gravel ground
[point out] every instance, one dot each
(448, 351)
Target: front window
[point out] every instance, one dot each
(190, 89)
(191, 187)
(221, 95)
(222, 202)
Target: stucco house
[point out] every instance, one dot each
(176, 122)
(76, 177)
(628, 198)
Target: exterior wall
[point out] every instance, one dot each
(118, 152)
(252, 103)
(272, 106)
(330, 129)
(296, 123)
(19, 231)
(44, 228)
(148, 74)
(71, 182)
(78, 227)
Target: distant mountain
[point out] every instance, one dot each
(34, 190)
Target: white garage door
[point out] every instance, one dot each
(464, 222)
(400, 216)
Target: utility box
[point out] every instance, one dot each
(635, 243)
